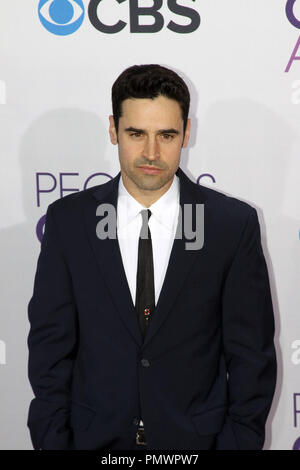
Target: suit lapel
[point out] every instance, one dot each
(110, 264)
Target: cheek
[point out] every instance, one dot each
(171, 151)
(129, 150)
(131, 145)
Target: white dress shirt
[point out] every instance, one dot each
(162, 225)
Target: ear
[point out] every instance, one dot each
(187, 133)
(112, 131)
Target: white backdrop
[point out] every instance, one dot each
(55, 92)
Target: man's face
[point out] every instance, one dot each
(150, 138)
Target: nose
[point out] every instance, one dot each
(151, 149)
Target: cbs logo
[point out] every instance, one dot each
(63, 17)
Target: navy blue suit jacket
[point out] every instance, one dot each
(203, 378)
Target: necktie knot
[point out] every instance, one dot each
(146, 214)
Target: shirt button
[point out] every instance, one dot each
(145, 362)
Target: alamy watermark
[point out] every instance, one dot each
(107, 226)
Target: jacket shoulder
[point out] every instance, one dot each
(74, 201)
(227, 214)
(225, 205)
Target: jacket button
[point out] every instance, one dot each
(145, 362)
(135, 421)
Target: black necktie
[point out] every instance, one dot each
(145, 295)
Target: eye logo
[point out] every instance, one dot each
(290, 13)
(61, 17)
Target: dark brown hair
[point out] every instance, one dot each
(149, 81)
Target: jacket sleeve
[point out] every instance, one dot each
(52, 343)
(248, 333)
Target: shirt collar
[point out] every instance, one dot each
(164, 209)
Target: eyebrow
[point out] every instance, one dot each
(160, 131)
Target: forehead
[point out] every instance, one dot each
(162, 111)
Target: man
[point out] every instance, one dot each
(136, 341)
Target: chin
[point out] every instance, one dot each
(151, 182)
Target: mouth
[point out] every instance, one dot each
(150, 170)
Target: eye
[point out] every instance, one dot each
(167, 136)
(61, 12)
(135, 134)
